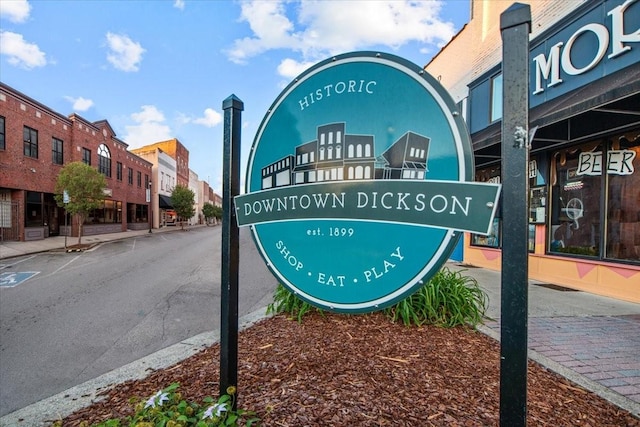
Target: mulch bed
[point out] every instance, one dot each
(340, 370)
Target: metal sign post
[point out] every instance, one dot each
(232, 107)
(515, 26)
(65, 200)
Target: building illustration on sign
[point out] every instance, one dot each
(337, 156)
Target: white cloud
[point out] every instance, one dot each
(149, 127)
(291, 68)
(15, 10)
(179, 4)
(20, 52)
(210, 119)
(317, 29)
(124, 54)
(270, 26)
(80, 103)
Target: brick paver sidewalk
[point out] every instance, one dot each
(605, 349)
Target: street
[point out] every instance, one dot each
(78, 315)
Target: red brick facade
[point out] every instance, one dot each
(28, 170)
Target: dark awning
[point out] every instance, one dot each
(610, 102)
(165, 202)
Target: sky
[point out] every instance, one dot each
(161, 69)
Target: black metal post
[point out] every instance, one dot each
(232, 107)
(150, 206)
(515, 26)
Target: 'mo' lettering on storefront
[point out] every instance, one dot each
(611, 34)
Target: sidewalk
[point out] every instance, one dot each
(11, 249)
(591, 340)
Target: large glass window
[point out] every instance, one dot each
(493, 240)
(496, 98)
(137, 213)
(30, 138)
(623, 198)
(104, 160)
(56, 151)
(33, 212)
(109, 213)
(576, 186)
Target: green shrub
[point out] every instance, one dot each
(448, 299)
(284, 301)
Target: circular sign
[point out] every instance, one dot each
(353, 187)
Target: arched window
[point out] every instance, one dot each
(359, 150)
(367, 150)
(359, 172)
(339, 152)
(367, 172)
(350, 172)
(104, 160)
(350, 151)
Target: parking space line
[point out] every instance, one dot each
(63, 266)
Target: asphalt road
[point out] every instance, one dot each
(84, 314)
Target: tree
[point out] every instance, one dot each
(85, 187)
(217, 212)
(208, 210)
(183, 200)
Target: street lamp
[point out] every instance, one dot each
(150, 200)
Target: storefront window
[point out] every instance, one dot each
(577, 188)
(137, 213)
(493, 240)
(34, 210)
(623, 198)
(109, 213)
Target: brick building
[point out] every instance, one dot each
(584, 159)
(175, 149)
(35, 144)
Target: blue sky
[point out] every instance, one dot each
(160, 69)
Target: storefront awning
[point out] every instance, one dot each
(608, 103)
(165, 202)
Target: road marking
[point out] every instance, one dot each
(3, 266)
(77, 256)
(11, 279)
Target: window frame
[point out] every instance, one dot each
(29, 146)
(86, 156)
(57, 151)
(104, 161)
(495, 103)
(3, 144)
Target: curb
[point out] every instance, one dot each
(65, 403)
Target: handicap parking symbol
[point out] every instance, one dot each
(10, 279)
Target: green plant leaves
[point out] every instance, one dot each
(448, 299)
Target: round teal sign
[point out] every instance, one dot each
(359, 183)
